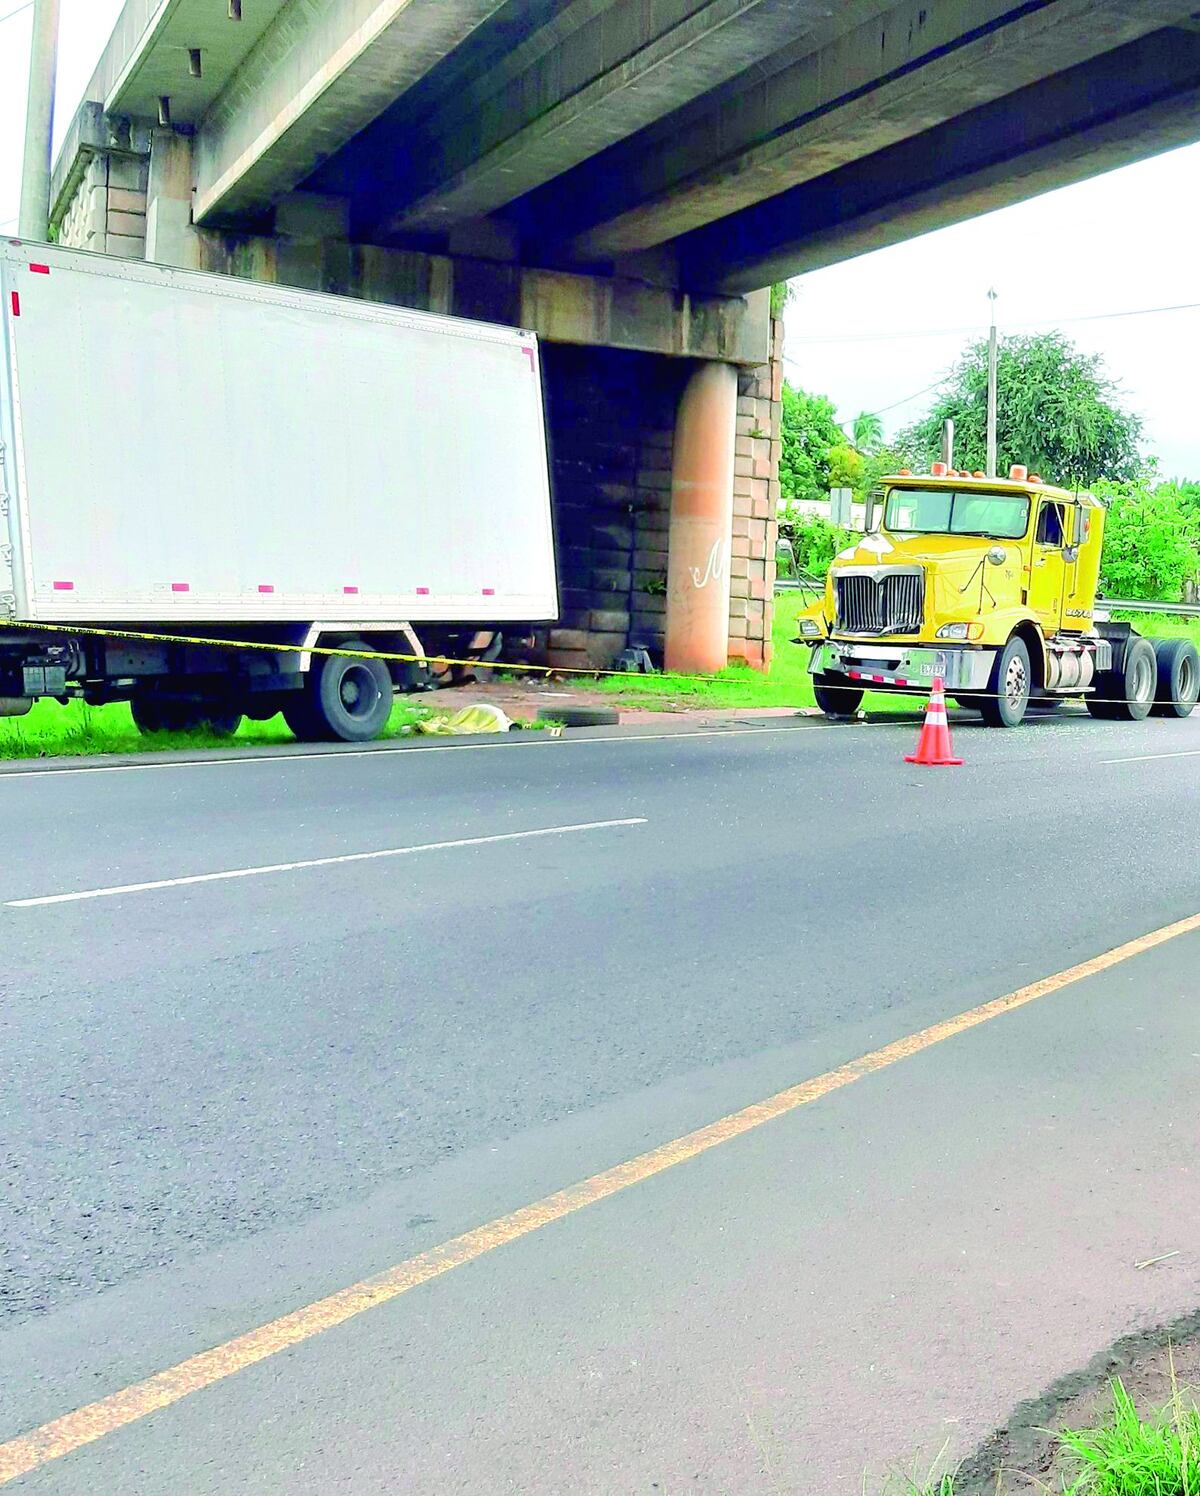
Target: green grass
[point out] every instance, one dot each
(51, 730)
(786, 684)
(916, 1485)
(1129, 1456)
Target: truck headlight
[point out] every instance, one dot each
(810, 628)
(960, 631)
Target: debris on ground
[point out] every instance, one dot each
(482, 717)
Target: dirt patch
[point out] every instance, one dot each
(1023, 1457)
(523, 699)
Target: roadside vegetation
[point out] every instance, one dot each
(1121, 1454)
(76, 730)
(1059, 413)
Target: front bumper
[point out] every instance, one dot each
(904, 666)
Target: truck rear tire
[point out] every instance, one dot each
(835, 696)
(343, 699)
(1009, 687)
(1126, 695)
(1178, 677)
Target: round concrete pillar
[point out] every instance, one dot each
(697, 632)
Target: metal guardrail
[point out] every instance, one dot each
(1108, 604)
(1125, 605)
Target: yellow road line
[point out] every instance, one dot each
(63, 1435)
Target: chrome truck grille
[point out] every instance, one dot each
(870, 603)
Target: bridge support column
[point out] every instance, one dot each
(701, 525)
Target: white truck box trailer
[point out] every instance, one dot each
(201, 456)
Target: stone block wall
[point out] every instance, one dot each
(756, 508)
(610, 422)
(107, 213)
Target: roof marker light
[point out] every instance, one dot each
(939, 470)
(1018, 473)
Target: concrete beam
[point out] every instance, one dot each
(589, 78)
(886, 80)
(596, 311)
(322, 72)
(1119, 108)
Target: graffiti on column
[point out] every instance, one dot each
(714, 570)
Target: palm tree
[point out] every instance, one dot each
(868, 433)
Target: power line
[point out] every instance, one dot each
(8, 15)
(883, 410)
(946, 332)
(929, 388)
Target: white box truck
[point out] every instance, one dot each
(207, 458)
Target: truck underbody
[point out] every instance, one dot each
(1117, 673)
(210, 676)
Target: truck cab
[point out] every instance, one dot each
(990, 585)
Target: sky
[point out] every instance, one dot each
(872, 333)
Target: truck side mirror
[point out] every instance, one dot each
(872, 516)
(1079, 529)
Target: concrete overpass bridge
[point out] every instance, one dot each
(624, 177)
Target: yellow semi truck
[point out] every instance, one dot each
(991, 585)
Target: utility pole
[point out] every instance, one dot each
(39, 122)
(991, 406)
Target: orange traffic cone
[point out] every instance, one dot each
(933, 746)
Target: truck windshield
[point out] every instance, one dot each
(942, 511)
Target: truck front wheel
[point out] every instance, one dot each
(1008, 698)
(835, 695)
(344, 698)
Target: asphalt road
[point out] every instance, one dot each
(226, 1099)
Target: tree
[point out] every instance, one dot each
(846, 467)
(868, 433)
(1151, 540)
(809, 429)
(1057, 412)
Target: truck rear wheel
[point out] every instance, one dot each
(1178, 677)
(836, 696)
(1008, 698)
(1126, 695)
(346, 699)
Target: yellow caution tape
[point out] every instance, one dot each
(329, 651)
(324, 650)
